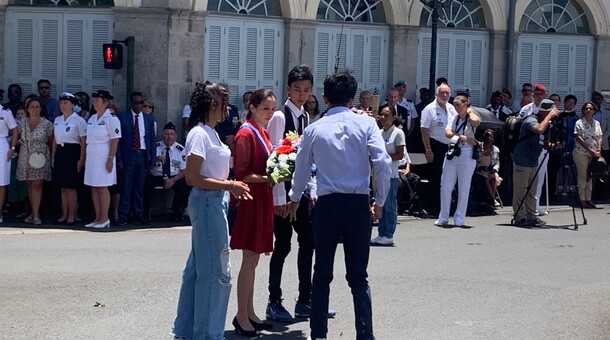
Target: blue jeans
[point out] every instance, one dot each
(347, 216)
(387, 223)
(206, 280)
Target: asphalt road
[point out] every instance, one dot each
(491, 281)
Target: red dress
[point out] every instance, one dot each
(253, 227)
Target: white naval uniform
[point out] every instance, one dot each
(99, 133)
(177, 158)
(69, 131)
(7, 122)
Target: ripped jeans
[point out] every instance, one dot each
(206, 279)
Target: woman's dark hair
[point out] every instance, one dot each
(316, 110)
(488, 133)
(570, 96)
(595, 108)
(393, 113)
(257, 98)
(84, 104)
(201, 100)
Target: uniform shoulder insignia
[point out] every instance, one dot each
(179, 147)
(409, 101)
(158, 143)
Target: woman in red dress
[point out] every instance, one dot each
(253, 227)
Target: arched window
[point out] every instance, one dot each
(351, 10)
(456, 13)
(70, 3)
(257, 7)
(563, 16)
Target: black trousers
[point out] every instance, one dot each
(180, 193)
(435, 170)
(282, 229)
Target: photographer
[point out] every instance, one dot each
(525, 163)
(459, 162)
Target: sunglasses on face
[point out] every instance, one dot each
(148, 106)
(589, 109)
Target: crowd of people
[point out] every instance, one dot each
(83, 156)
(91, 152)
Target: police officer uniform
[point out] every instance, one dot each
(68, 132)
(7, 123)
(175, 163)
(100, 130)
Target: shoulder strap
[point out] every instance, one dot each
(258, 136)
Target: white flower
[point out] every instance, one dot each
(270, 162)
(282, 158)
(276, 170)
(292, 156)
(284, 166)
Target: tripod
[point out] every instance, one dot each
(569, 170)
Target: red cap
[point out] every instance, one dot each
(539, 87)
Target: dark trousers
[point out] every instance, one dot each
(180, 193)
(343, 216)
(132, 185)
(282, 229)
(435, 170)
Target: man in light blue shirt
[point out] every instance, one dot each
(341, 144)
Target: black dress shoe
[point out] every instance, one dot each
(120, 222)
(263, 326)
(241, 331)
(141, 220)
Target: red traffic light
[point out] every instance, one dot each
(113, 56)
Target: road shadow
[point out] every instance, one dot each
(49, 223)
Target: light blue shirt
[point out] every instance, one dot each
(340, 143)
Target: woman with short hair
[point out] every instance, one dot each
(68, 155)
(588, 136)
(103, 133)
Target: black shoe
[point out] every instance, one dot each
(241, 331)
(263, 326)
(141, 220)
(120, 222)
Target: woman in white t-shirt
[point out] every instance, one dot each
(460, 129)
(206, 280)
(395, 146)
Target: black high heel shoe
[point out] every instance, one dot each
(263, 326)
(240, 331)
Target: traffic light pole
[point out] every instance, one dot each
(130, 43)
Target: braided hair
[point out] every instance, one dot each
(201, 100)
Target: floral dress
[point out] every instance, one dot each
(591, 133)
(36, 140)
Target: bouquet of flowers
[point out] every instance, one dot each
(280, 164)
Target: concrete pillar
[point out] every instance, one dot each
(299, 44)
(497, 64)
(601, 70)
(2, 41)
(403, 58)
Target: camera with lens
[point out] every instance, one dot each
(454, 148)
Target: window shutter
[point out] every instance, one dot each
(443, 55)
(322, 62)
(475, 73)
(544, 55)
(100, 30)
(73, 50)
(50, 33)
(356, 64)
(270, 48)
(252, 52)
(562, 70)
(581, 73)
(213, 54)
(423, 60)
(524, 66)
(459, 64)
(234, 45)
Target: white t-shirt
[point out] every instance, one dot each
(204, 141)
(393, 137)
(435, 119)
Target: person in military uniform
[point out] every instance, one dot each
(168, 171)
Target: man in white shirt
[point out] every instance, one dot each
(434, 119)
(342, 144)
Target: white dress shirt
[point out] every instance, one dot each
(276, 127)
(435, 119)
(340, 144)
(177, 159)
(69, 131)
(528, 110)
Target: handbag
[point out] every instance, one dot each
(36, 160)
(597, 168)
(476, 151)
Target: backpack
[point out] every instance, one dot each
(597, 169)
(511, 134)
